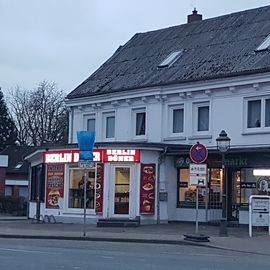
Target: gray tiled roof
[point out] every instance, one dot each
(213, 48)
(16, 155)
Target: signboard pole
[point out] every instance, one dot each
(84, 203)
(197, 209)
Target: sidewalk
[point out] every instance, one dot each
(238, 239)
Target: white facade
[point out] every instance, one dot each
(227, 100)
(227, 103)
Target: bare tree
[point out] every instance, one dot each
(40, 115)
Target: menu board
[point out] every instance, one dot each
(147, 188)
(55, 185)
(99, 187)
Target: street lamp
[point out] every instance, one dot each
(223, 145)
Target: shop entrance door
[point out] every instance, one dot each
(121, 201)
(234, 194)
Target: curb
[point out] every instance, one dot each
(127, 240)
(106, 239)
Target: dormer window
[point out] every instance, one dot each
(264, 45)
(19, 165)
(170, 59)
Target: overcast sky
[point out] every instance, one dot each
(66, 40)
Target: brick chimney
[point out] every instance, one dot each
(194, 17)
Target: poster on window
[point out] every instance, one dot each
(99, 188)
(147, 189)
(55, 185)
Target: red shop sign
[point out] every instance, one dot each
(147, 188)
(99, 188)
(100, 155)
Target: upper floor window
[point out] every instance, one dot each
(258, 113)
(139, 122)
(109, 125)
(201, 116)
(91, 124)
(176, 119)
(254, 114)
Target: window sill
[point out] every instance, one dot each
(109, 140)
(140, 139)
(175, 138)
(255, 132)
(196, 137)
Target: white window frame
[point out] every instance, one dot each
(87, 117)
(196, 106)
(134, 113)
(105, 115)
(171, 109)
(262, 128)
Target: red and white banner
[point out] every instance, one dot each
(100, 155)
(147, 188)
(55, 185)
(99, 188)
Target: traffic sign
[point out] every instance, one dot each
(197, 174)
(197, 168)
(198, 153)
(197, 180)
(86, 164)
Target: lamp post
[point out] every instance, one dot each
(223, 145)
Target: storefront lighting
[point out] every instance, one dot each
(261, 172)
(223, 142)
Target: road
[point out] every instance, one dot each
(81, 255)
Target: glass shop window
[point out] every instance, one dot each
(76, 188)
(215, 187)
(253, 184)
(186, 193)
(212, 194)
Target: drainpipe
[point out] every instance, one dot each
(160, 161)
(71, 119)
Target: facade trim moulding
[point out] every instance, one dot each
(253, 80)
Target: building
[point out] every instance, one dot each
(160, 93)
(14, 180)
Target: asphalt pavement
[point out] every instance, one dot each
(172, 233)
(30, 254)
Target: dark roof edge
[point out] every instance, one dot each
(237, 74)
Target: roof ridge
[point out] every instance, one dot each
(207, 19)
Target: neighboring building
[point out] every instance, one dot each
(14, 172)
(160, 93)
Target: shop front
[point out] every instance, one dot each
(246, 174)
(121, 184)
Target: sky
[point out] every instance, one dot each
(65, 41)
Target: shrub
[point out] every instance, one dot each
(15, 206)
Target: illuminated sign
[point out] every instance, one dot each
(67, 156)
(119, 155)
(100, 155)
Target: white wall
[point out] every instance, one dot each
(227, 111)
